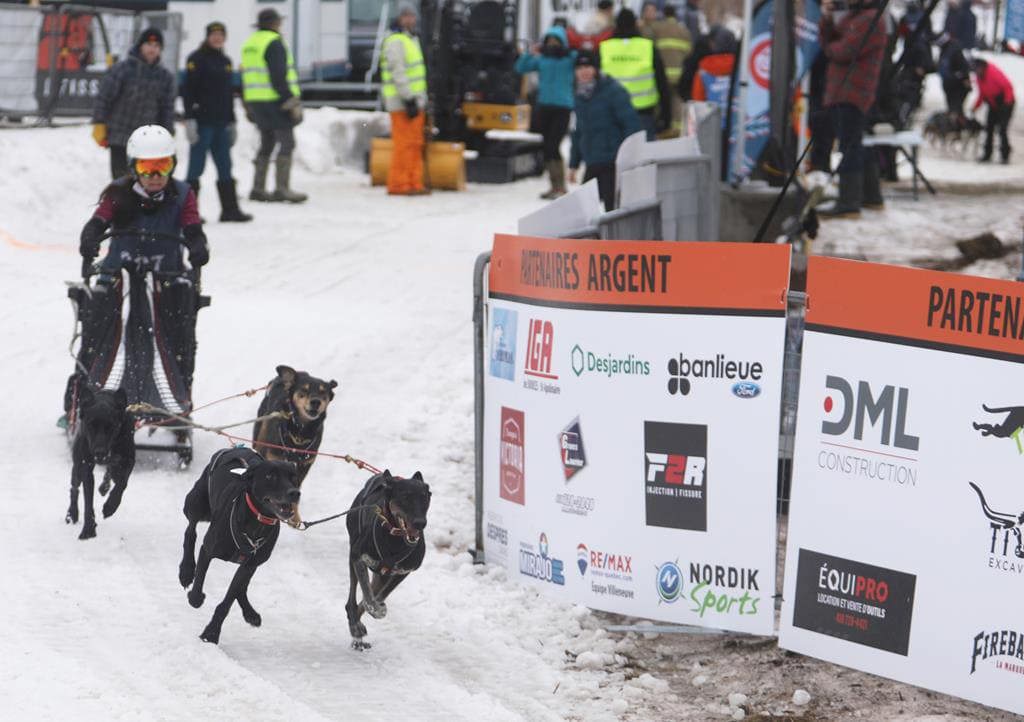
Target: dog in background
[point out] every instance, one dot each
(304, 399)
(243, 496)
(385, 534)
(105, 434)
(949, 131)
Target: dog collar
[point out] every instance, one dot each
(268, 520)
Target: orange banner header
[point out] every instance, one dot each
(640, 275)
(934, 308)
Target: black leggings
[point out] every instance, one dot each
(605, 174)
(552, 122)
(269, 137)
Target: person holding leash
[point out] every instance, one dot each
(270, 91)
(210, 118)
(996, 91)
(404, 78)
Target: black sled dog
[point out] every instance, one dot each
(104, 434)
(243, 496)
(385, 534)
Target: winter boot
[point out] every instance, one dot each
(851, 191)
(872, 193)
(194, 184)
(229, 210)
(259, 181)
(283, 192)
(556, 171)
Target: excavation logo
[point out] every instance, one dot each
(723, 590)
(865, 433)
(669, 582)
(1004, 544)
(1009, 428)
(538, 564)
(1005, 647)
(683, 372)
(854, 601)
(540, 343)
(607, 364)
(512, 455)
(608, 571)
(675, 475)
(570, 443)
(503, 343)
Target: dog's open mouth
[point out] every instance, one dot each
(411, 534)
(284, 512)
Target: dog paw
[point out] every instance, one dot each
(211, 634)
(72, 517)
(360, 646)
(104, 487)
(110, 506)
(254, 619)
(357, 630)
(88, 531)
(186, 573)
(377, 610)
(196, 599)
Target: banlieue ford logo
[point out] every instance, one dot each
(683, 372)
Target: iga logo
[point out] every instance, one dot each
(864, 405)
(1006, 537)
(669, 582)
(675, 475)
(570, 442)
(1009, 428)
(540, 338)
(503, 343)
(850, 600)
(512, 455)
(1001, 643)
(540, 566)
(683, 371)
(582, 556)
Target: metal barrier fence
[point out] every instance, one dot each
(52, 57)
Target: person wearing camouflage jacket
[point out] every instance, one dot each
(136, 91)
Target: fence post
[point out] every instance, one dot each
(479, 268)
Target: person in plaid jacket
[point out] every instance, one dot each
(136, 91)
(854, 43)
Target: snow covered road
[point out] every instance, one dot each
(370, 290)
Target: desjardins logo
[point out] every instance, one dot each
(607, 364)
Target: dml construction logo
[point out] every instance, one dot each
(1003, 544)
(866, 433)
(676, 475)
(854, 601)
(1009, 428)
(503, 343)
(512, 455)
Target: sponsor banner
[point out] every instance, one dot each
(644, 376)
(904, 553)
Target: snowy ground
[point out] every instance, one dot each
(376, 292)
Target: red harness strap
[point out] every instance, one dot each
(268, 520)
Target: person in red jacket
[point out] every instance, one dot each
(996, 91)
(854, 42)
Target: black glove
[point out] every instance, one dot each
(195, 242)
(89, 241)
(412, 108)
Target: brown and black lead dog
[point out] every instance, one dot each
(305, 399)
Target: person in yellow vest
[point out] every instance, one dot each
(270, 91)
(632, 60)
(404, 79)
(674, 44)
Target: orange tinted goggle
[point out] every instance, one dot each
(154, 166)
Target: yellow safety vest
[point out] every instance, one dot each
(631, 62)
(415, 70)
(256, 87)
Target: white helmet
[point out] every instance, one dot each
(150, 141)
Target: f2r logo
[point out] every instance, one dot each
(863, 405)
(675, 475)
(540, 340)
(676, 468)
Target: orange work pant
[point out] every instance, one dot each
(406, 171)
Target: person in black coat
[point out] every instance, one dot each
(208, 95)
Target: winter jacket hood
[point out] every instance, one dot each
(555, 73)
(557, 32)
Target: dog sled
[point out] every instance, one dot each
(135, 320)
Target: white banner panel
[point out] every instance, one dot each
(631, 425)
(904, 554)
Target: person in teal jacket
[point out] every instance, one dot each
(604, 118)
(553, 62)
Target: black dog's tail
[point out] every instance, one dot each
(1006, 521)
(1002, 409)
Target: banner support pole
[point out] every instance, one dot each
(479, 270)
